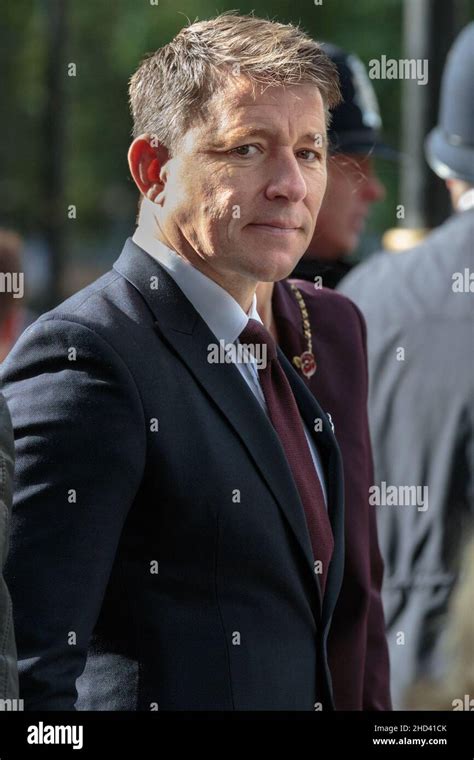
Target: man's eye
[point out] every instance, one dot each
(316, 156)
(243, 148)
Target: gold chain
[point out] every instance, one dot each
(306, 362)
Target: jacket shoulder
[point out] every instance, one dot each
(327, 300)
(410, 285)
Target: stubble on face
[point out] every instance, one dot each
(242, 167)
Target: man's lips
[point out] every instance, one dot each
(277, 228)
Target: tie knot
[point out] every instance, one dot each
(256, 335)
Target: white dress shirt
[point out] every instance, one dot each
(220, 311)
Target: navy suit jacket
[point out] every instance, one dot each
(159, 552)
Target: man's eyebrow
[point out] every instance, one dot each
(246, 133)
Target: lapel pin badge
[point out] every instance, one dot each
(307, 361)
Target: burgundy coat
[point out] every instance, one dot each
(358, 653)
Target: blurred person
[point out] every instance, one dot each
(353, 185)
(456, 689)
(14, 316)
(8, 652)
(323, 335)
(178, 525)
(419, 312)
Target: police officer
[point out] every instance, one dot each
(353, 186)
(419, 312)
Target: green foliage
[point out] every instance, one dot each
(106, 40)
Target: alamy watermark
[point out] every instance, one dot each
(404, 68)
(42, 733)
(399, 496)
(237, 353)
(12, 282)
(466, 703)
(12, 705)
(463, 282)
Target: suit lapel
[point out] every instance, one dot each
(330, 455)
(182, 328)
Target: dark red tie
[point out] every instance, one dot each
(285, 417)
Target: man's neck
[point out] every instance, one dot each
(264, 306)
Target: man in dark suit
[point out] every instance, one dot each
(418, 307)
(177, 537)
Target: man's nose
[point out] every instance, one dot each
(286, 180)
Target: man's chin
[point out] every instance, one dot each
(278, 270)
(275, 276)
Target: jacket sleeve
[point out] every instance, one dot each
(8, 654)
(376, 693)
(80, 452)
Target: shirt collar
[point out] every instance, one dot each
(220, 311)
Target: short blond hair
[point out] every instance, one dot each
(172, 87)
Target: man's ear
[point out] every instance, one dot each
(146, 162)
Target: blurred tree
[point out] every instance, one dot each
(106, 40)
(52, 204)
